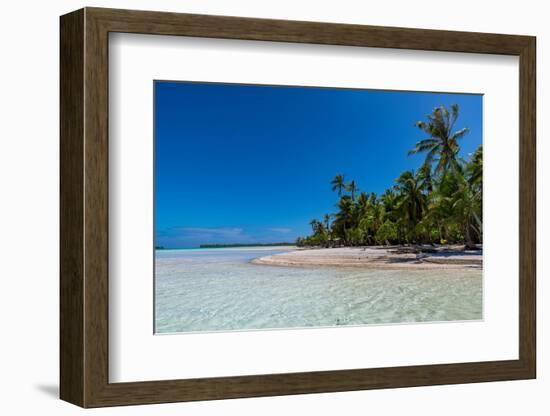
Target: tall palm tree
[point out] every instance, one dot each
(326, 221)
(338, 183)
(352, 189)
(441, 145)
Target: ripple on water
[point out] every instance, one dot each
(219, 290)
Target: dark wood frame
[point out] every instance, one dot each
(84, 207)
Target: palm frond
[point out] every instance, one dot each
(460, 134)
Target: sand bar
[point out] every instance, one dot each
(378, 257)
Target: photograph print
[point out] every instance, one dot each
(286, 207)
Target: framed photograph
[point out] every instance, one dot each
(257, 207)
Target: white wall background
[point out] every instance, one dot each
(29, 210)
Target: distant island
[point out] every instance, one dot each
(245, 245)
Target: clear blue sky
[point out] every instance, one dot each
(253, 164)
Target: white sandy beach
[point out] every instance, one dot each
(377, 257)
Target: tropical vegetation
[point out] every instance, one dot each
(438, 203)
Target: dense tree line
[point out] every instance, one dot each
(439, 203)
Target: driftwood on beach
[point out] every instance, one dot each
(433, 249)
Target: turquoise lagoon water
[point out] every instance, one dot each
(220, 290)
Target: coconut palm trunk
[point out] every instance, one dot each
(468, 237)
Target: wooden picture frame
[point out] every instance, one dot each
(84, 207)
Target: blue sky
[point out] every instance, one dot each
(253, 164)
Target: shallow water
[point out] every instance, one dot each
(220, 290)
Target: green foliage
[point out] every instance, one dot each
(354, 236)
(440, 202)
(386, 233)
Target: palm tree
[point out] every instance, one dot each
(475, 167)
(467, 211)
(372, 219)
(425, 174)
(373, 199)
(338, 183)
(412, 199)
(475, 176)
(439, 217)
(326, 221)
(363, 200)
(442, 143)
(389, 200)
(314, 225)
(344, 218)
(352, 188)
